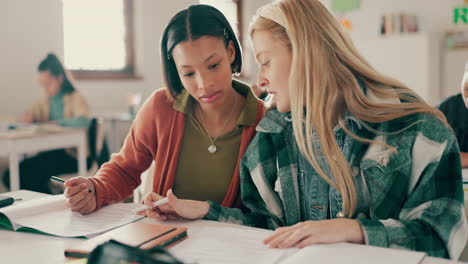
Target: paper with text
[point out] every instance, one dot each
(227, 245)
(51, 215)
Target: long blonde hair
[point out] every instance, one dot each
(323, 87)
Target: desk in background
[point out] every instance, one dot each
(14, 145)
(19, 247)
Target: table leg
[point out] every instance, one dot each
(14, 172)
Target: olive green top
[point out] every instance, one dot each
(202, 175)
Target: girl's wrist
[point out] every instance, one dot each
(355, 233)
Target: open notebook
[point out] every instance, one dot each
(51, 215)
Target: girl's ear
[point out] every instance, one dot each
(231, 52)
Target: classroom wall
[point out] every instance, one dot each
(30, 29)
(433, 15)
(434, 82)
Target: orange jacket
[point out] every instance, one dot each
(156, 134)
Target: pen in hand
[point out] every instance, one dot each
(57, 179)
(145, 207)
(61, 181)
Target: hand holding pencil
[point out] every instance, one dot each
(174, 207)
(81, 195)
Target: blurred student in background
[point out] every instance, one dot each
(63, 105)
(455, 108)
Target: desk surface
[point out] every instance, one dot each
(18, 247)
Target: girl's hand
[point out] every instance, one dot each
(188, 209)
(316, 232)
(81, 195)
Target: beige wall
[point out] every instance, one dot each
(28, 29)
(433, 15)
(442, 75)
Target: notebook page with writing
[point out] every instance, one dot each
(51, 215)
(227, 245)
(352, 253)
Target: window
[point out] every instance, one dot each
(230, 9)
(98, 38)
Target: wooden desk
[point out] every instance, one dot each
(18, 247)
(14, 146)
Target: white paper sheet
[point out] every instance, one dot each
(352, 253)
(227, 245)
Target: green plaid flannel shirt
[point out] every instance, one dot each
(414, 197)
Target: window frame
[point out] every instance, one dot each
(128, 72)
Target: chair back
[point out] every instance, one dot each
(98, 150)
